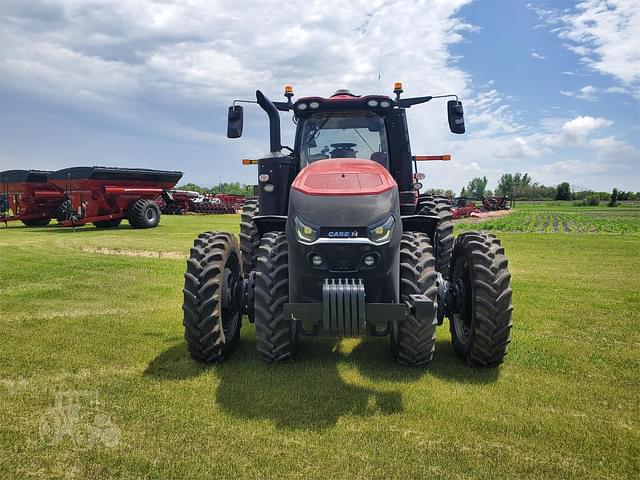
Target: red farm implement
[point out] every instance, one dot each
(183, 201)
(220, 203)
(26, 195)
(104, 196)
(496, 203)
(179, 202)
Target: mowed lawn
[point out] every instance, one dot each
(95, 380)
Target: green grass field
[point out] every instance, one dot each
(95, 380)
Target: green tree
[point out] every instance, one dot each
(614, 198)
(463, 192)
(510, 183)
(477, 186)
(193, 187)
(564, 191)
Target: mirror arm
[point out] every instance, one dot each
(243, 101)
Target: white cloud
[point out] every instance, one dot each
(605, 34)
(523, 147)
(585, 93)
(171, 69)
(537, 56)
(582, 126)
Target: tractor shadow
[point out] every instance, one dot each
(309, 393)
(313, 392)
(373, 360)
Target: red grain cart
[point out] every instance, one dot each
(26, 195)
(104, 196)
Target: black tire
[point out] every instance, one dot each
(211, 321)
(37, 222)
(480, 330)
(413, 341)
(143, 213)
(276, 336)
(108, 223)
(440, 207)
(249, 237)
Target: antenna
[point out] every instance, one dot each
(379, 69)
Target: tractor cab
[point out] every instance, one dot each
(344, 125)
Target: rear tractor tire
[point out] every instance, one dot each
(276, 336)
(143, 213)
(413, 340)
(249, 236)
(212, 319)
(108, 223)
(480, 302)
(443, 246)
(37, 222)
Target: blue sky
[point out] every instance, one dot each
(550, 88)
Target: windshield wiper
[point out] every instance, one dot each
(316, 134)
(356, 130)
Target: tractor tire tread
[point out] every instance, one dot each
(276, 336)
(414, 342)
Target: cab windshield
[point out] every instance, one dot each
(336, 135)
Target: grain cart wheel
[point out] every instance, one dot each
(108, 223)
(212, 319)
(439, 207)
(249, 237)
(276, 336)
(37, 222)
(413, 341)
(479, 300)
(143, 213)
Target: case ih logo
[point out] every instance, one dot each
(342, 234)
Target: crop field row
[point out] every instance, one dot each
(623, 221)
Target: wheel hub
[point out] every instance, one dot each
(459, 309)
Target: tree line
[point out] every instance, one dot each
(233, 188)
(523, 187)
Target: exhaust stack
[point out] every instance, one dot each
(274, 121)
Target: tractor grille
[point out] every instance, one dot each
(343, 306)
(344, 257)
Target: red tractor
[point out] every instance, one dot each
(339, 243)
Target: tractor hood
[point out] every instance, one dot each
(344, 176)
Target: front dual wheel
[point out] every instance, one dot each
(212, 319)
(480, 300)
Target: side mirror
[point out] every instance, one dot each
(235, 121)
(455, 112)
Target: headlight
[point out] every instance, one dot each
(304, 232)
(381, 233)
(372, 103)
